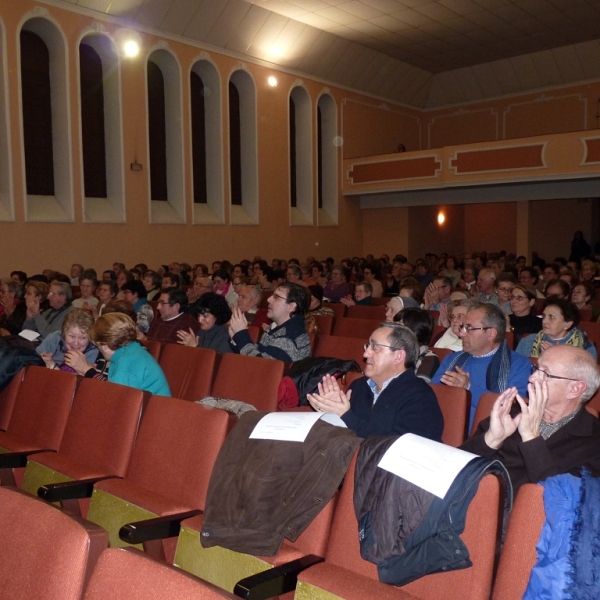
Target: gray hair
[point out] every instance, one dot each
(492, 317)
(588, 372)
(402, 338)
(13, 287)
(65, 289)
(454, 303)
(368, 287)
(255, 292)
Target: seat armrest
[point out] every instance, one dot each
(15, 460)
(158, 528)
(70, 490)
(276, 581)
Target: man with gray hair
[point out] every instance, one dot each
(248, 301)
(50, 320)
(553, 433)
(486, 282)
(486, 363)
(390, 399)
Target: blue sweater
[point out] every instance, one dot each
(520, 370)
(133, 365)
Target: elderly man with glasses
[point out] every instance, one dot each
(486, 363)
(553, 433)
(390, 399)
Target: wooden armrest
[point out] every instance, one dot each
(15, 460)
(276, 581)
(158, 528)
(70, 490)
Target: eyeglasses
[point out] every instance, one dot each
(455, 317)
(163, 302)
(469, 329)
(377, 347)
(278, 296)
(504, 289)
(544, 375)
(518, 298)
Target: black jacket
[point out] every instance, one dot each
(406, 531)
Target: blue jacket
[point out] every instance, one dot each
(133, 365)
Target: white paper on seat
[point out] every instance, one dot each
(29, 334)
(428, 464)
(290, 426)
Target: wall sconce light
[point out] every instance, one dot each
(272, 81)
(131, 48)
(441, 218)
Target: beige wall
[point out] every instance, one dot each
(491, 227)
(385, 231)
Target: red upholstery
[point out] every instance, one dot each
(380, 301)
(45, 553)
(324, 324)
(438, 332)
(518, 554)
(593, 332)
(442, 352)
(175, 451)
(376, 313)
(154, 347)
(189, 371)
(346, 348)
(356, 328)
(484, 409)
(346, 574)
(339, 309)
(8, 397)
(126, 574)
(255, 333)
(455, 404)
(249, 378)
(39, 415)
(100, 432)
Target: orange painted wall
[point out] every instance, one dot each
(386, 230)
(491, 227)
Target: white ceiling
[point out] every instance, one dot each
(425, 53)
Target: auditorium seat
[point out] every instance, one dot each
(339, 309)
(189, 371)
(126, 574)
(8, 397)
(250, 379)
(356, 328)
(484, 409)
(442, 352)
(455, 404)
(346, 348)
(324, 324)
(345, 574)
(45, 552)
(154, 347)
(358, 311)
(38, 419)
(518, 552)
(98, 439)
(175, 451)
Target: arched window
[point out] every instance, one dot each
(327, 160)
(207, 144)
(243, 168)
(46, 124)
(101, 131)
(301, 179)
(165, 139)
(6, 191)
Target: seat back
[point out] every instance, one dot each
(442, 352)
(455, 404)
(250, 379)
(346, 348)
(376, 313)
(127, 574)
(102, 426)
(154, 347)
(42, 406)
(479, 535)
(45, 552)
(592, 330)
(189, 371)
(339, 309)
(176, 448)
(8, 397)
(355, 328)
(484, 409)
(324, 324)
(519, 554)
(438, 332)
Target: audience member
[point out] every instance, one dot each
(134, 292)
(107, 291)
(152, 282)
(338, 287)
(172, 307)
(457, 309)
(371, 276)
(553, 433)
(486, 284)
(213, 315)
(286, 339)
(437, 292)
(59, 348)
(201, 286)
(130, 363)
(559, 327)
(522, 319)
(48, 321)
(486, 363)
(249, 299)
(87, 287)
(390, 399)
(363, 295)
